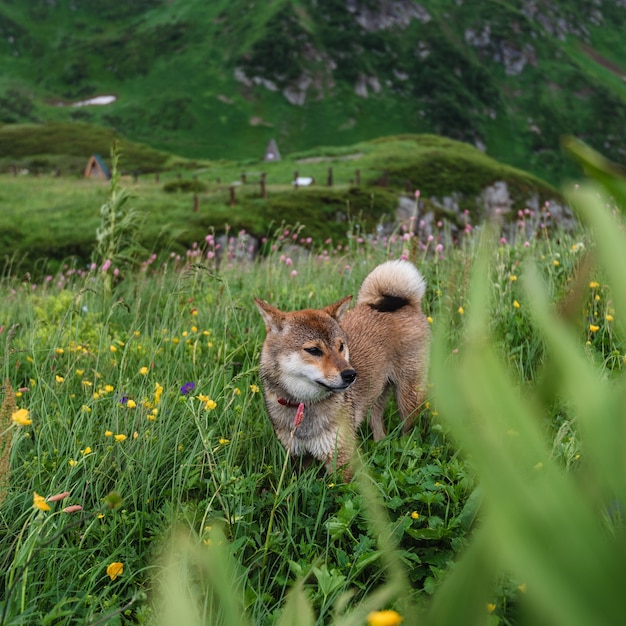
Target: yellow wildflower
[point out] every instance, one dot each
(210, 405)
(119, 437)
(131, 404)
(608, 317)
(593, 328)
(157, 393)
(109, 388)
(108, 433)
(593, 284)
(59, 351)
(21, 417)
(461, 310)
(555, 263)
(85, 408)
(59, 379)
(143, 370)
(254, 388)
(115, 569)
(429, 319)
(80, 372)
(112, 348)
(223, 441)
(39, 502)
(512, 278)
(516, 304)
(415, 515)
(384, 618)
(73, 463)
(491, 607)
(87, 450)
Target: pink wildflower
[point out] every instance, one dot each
(58, 496)
(72, 508)
(299, 416)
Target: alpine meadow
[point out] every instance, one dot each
(165, 165)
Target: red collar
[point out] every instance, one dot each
(285, 402)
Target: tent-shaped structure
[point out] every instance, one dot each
(96, 168)
(271, 152)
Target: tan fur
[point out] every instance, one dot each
(312, 356)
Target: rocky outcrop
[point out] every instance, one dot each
(429, 217)
(495, 204)
(373, 17)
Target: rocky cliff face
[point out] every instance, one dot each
(502, 37)
(472, 72)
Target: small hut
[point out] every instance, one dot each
(271, 152)
(96, 168)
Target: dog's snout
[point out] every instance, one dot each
(348, 376)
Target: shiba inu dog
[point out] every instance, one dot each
(324, 370)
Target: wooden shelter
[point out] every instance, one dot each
(271, 152)
(96, 168)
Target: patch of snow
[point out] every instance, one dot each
(98, 100)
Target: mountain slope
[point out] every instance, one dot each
(219, 79)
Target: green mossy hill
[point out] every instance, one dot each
(68, 145)
(438, 166)
(324, 212)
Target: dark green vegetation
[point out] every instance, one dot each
(54, 217)
(212, 80)
(67, 146)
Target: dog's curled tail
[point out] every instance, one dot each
(391, 286)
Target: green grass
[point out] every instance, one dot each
(503, 506)
(56, 217)
(179, 487)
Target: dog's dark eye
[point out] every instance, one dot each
(340, 347)
(314, 351)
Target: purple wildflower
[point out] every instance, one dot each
(187, 388)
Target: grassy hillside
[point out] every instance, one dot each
(52, 217)
(218, 80)
(67, 145)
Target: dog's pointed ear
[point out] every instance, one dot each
(338, 309)
(272, 316)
